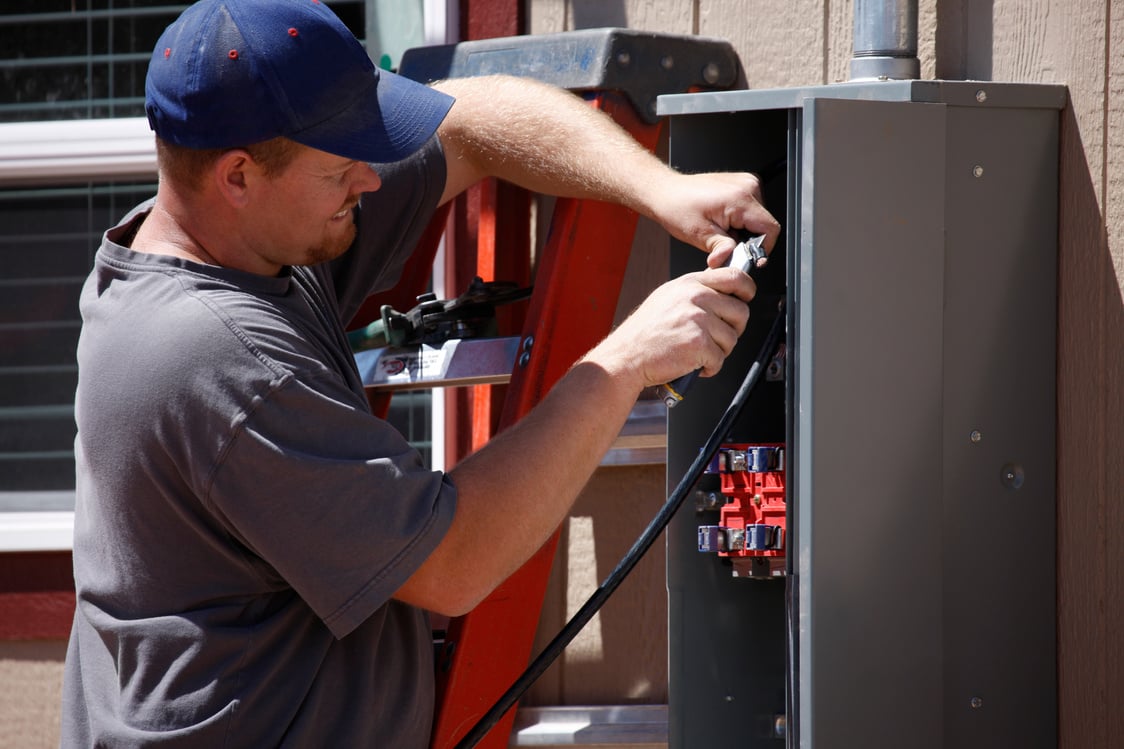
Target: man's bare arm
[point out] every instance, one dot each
(550, 141)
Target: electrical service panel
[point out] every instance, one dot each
(870, 558)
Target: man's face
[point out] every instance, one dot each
(305, 214)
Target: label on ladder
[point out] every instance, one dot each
(469, 361)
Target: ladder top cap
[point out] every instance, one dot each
(642, 65)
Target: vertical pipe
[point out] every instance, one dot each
(885, 44)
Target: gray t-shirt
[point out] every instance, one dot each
(242, 518)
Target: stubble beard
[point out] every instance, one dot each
(332, 248)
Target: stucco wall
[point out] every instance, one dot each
(30, 685)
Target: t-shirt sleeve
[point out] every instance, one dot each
(332, 498)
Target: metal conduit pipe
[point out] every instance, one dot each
(885, 46)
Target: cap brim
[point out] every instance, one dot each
(388, 122)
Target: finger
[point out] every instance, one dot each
(722, 342)
(772, 231)
(721, 247)
(731, 312)
(759, 221)
(755, 187)
(730, 281)
(727, 326)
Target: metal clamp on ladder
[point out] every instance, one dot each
(439, 342)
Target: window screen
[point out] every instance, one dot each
(47, 241)
(75, 60)
(83, 60)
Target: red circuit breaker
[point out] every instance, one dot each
(751, 506)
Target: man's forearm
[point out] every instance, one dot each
(546, 140)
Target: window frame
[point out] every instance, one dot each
(74, 151)
(67, 152)
(63, 152)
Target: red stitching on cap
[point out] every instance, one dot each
(167, 52)
(232, 54)
(292, 32)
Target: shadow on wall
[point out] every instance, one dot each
(620, 657)
(597, 14)
(1090, 471)
(965, 40)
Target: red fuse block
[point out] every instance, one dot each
(752, 520)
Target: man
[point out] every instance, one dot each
(253, 549)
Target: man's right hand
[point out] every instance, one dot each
(691, 322)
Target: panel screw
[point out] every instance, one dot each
(711, 73)
(667, 62)
(977, 171)
(976, 703)
(623, 59)
(1012, 476)
(981, 96)
(975, 436)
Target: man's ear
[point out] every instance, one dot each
(233, 174)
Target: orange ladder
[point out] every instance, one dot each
(576, 285)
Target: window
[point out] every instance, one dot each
(75, 155)
(48, 237)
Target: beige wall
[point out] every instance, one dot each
(1076, 42)
(30, 685)
(621, 655)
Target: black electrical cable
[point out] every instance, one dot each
(642, 544)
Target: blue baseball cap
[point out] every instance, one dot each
(231, 73)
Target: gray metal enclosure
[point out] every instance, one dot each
(918, 262)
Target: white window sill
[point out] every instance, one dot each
(76, 150)
(36, 531)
